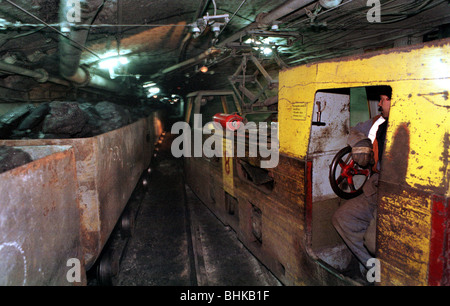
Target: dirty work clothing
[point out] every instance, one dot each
(353, 219)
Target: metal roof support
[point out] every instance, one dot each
(281, 11)
(284, 9)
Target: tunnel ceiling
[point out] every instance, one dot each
(158, 39)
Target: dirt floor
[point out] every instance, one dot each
(177, 241)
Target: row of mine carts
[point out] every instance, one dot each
(283, 213)
(58, 211)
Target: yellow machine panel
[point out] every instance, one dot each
(416, 155)
(283, 214)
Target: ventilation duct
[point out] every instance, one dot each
(70, 45)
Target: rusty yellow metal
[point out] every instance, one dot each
(408, 71)
(227, 166)
(404, 241)
(427, 116)
(420, 80)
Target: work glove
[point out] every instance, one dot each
(362, 153)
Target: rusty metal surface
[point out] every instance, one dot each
(270, 224)
(108, 167)
(39, 219)
(120, 157)
(403, 235)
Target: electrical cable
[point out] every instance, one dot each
(237, 10)
(51, 27)
(346, 24)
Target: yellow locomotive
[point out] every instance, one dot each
(283, 213)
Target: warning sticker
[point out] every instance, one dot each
(299, 110)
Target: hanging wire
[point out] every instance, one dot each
(325, 44)
(234, 14)
(22, 25)
(319, 14)
(53, 28)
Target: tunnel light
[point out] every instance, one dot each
(330, 3)
(149, 84)
(154, 90)
(198, 27)
(252, 41)
(267, 51)
(259, 45)
(196, 30)
(216, 28)
(113, 62)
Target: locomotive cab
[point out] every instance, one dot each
(413, 194)
(334, 178)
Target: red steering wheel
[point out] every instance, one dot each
(346, 177)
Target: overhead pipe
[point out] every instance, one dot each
(69, 50)
(283, 10)
(71, 45)
(39, 75)
(42, 76)
(191, 61)
(200, 12)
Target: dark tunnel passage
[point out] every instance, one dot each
(176, 240)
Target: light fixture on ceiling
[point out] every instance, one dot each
(275, 25)
(153, 92)
(267, 51)
(216, 26)
(113, 63)
(199, 26)
(148, 84)
(196, 30)
(204, 69)
(264, 46)
(329, 3)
